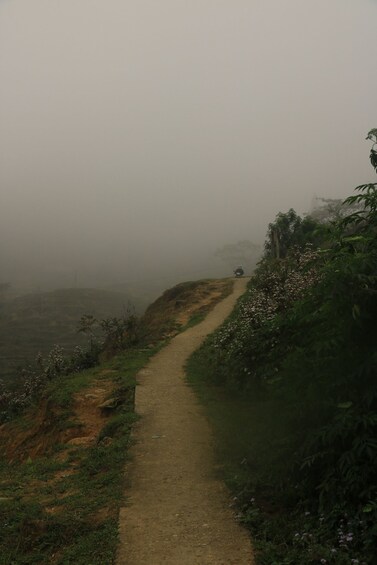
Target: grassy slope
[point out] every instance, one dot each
(183, 305)
(59, 501)
(62, 507)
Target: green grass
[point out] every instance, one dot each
(282, 533)
(195, 319)
(160, 318)
(240, 429)
(71, 518)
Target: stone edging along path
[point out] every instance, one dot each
(178, 512)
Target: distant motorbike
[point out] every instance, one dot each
(239, 272)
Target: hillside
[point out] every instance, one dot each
(36, 322)
(62, 460)
(290, 384)
(183, 304)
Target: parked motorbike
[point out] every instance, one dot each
(239, 272)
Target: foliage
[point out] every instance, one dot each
(64, 508)
(119, 334)
(372, 135)
(332, 210)
(290, 230)
(302, 344)
(34, 378)
(251, 335)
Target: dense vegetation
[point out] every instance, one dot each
(298, 359)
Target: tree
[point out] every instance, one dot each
(290, 230)
(331, 210)
(87, 325)
(372, 135)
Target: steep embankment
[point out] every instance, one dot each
(62, 462)
(183, 305)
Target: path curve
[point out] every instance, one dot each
(178, 512)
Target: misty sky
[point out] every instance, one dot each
(137, 136)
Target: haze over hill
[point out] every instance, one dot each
(138, 137)
(35, 323)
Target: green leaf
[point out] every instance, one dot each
(345, 405)
(356, 311)
(354, 237)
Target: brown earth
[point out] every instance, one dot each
(44, 432)
(41, 430)
(87, 412)
(177, 306)
(178, 512)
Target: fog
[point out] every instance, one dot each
(137, 137)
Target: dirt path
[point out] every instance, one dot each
(178, 512)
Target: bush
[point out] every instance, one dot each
(304, 339)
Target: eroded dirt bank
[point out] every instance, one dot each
(178, 512)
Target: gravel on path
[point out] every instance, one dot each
(178, 512)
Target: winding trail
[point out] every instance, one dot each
(178, 512)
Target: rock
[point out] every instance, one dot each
(106, 441)
(83, 440)
(110, 404)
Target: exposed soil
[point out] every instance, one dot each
(44, 432)
(87, 412)
(174, 309)
(38, 439)
(178, 512)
